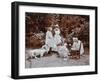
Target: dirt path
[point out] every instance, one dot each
(55, 61)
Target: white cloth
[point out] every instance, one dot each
(49, 39)
(57, 39)
(78, 46)
(63, 51)
(81, 49)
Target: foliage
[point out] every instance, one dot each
(70, 25)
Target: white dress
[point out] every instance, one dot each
(49, 40)
(63, 51)
(57, 39)
(78, 46)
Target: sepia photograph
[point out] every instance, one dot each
(50, 40)
(56, 40)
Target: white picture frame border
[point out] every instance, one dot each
(52, 70)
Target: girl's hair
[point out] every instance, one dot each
(48, 28)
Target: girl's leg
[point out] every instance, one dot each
(49, 52)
